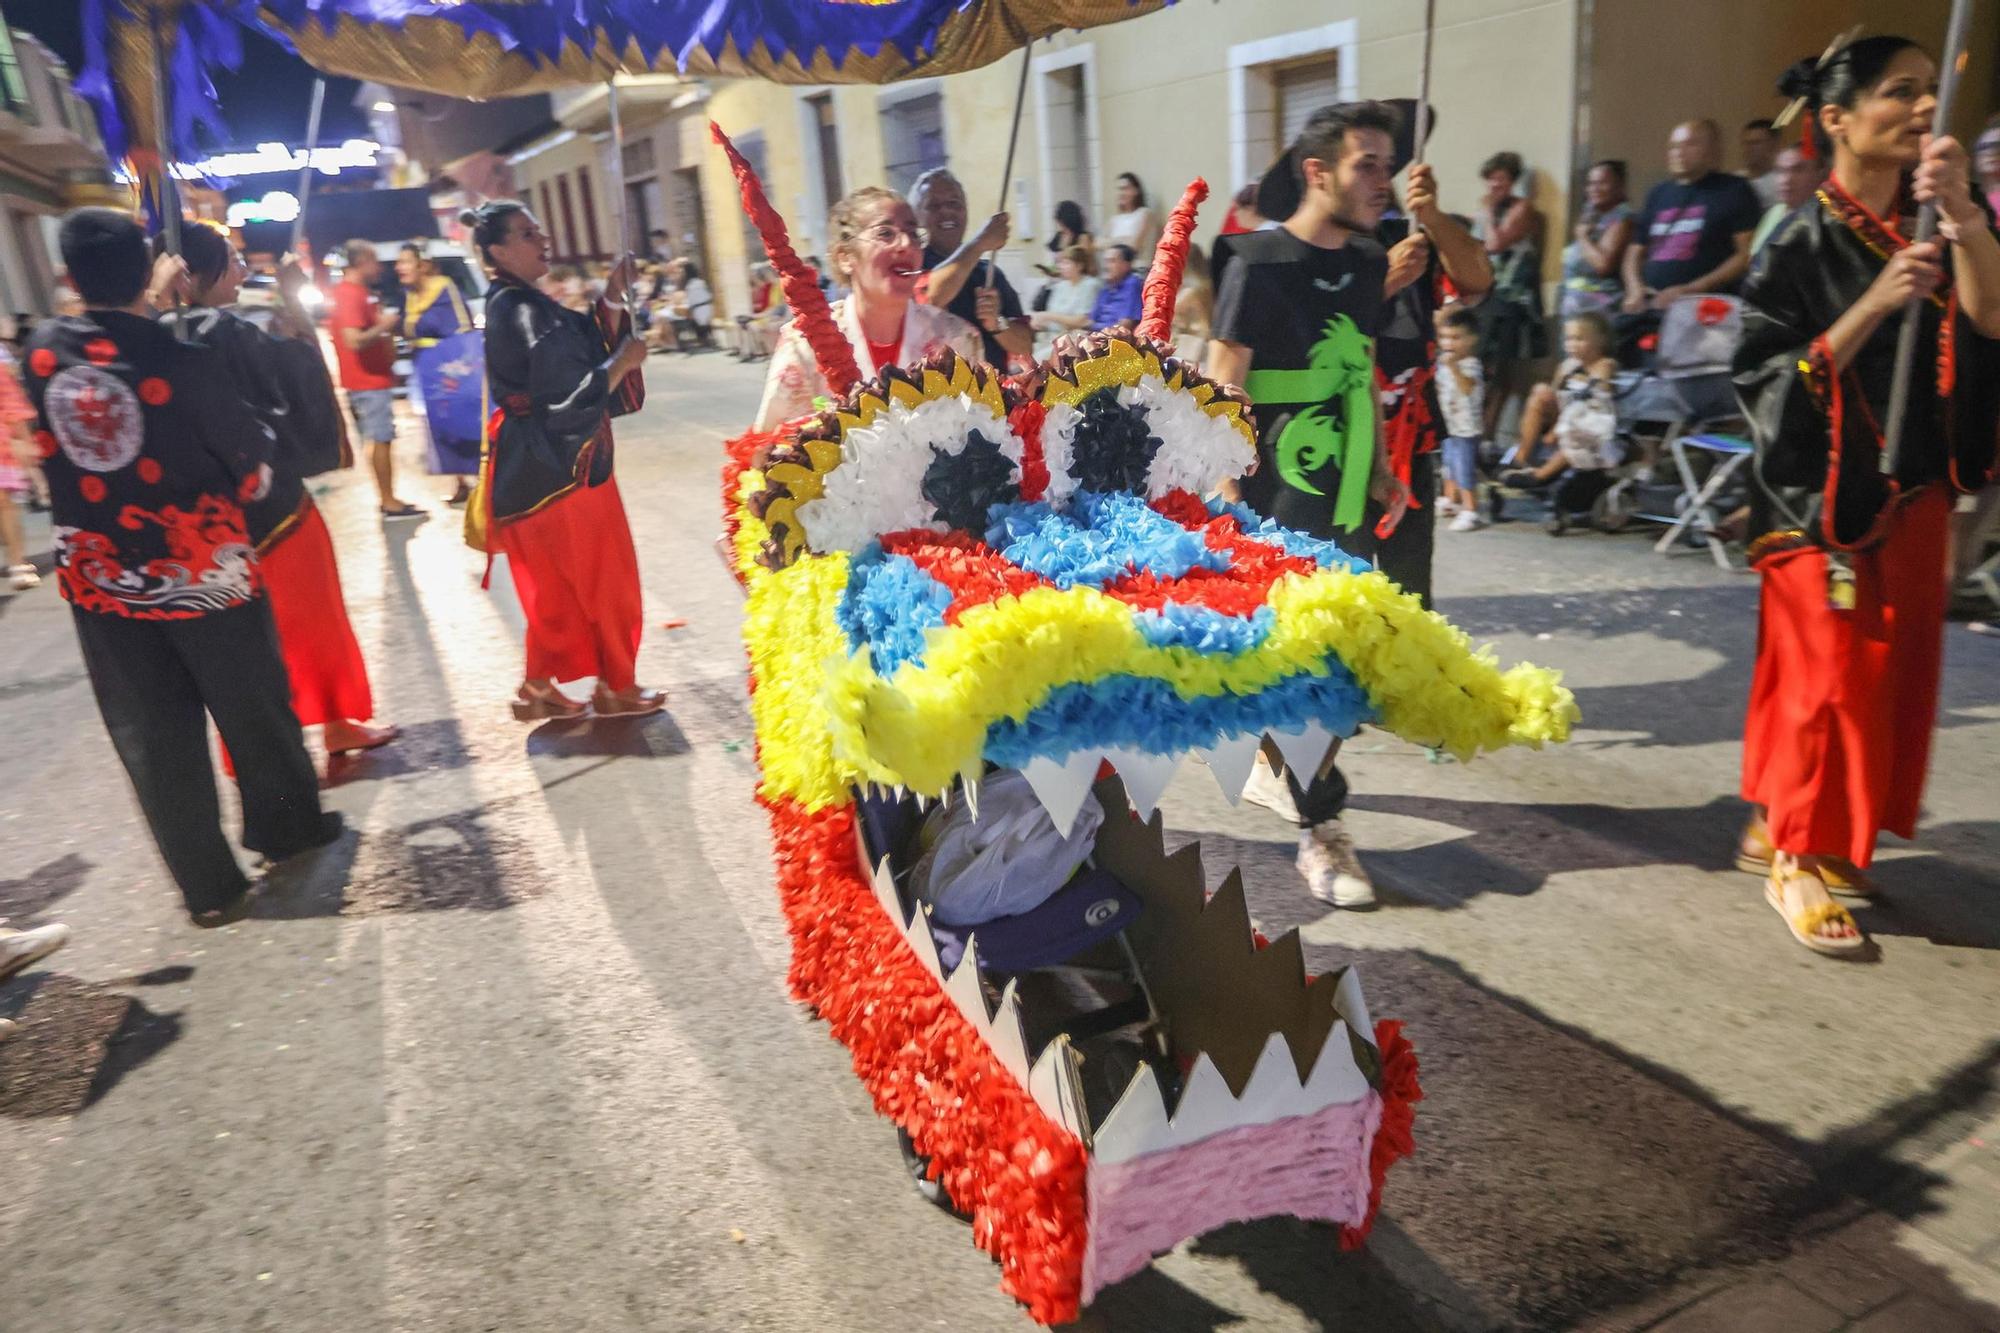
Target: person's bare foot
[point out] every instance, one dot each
(344, 737)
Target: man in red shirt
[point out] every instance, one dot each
(364, 338)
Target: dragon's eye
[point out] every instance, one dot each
(928, 448)
(1120, 418)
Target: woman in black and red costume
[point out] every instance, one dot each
(1850, 643)
(557, 378)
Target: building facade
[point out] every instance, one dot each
(51, 160)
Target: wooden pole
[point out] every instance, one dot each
(1013, 138)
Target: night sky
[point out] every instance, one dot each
(267, 100)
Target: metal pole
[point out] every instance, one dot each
(618, 197)
(1906, 337)
(163, 141)
(306, 171)
(1423, 126)
(1013, 138)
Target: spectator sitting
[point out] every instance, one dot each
(1760, 160)
(1513, 330)
(1121, 300)
(1798, 176)
(768, 314)
(1135, 227)
(1071, 231)
(1596, 252)
(1461, 391)
(1243, 215)
(1986, 163)
(1193, 307)
(1072, 298)
(1576, 414)
(690, 306)
(1693, 230)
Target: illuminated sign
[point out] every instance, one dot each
(266, 158)
(277, 206)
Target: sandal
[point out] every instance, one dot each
(405, 510)
(538, 700)
(1805, 925)
(369, 738)
(1840, 875)
(632, 702)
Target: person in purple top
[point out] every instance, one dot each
(1122, 297)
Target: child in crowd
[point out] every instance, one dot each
(1461, 391)
(1584, 429)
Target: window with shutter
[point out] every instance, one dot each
(1303, 88)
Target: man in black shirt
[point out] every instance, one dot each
(1294, 325)
(959, 276)
(1693, 232)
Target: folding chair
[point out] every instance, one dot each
(1697, 500)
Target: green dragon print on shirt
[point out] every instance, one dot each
(1339, 383)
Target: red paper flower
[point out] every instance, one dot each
(92, 489)
(1394, 1139)
(155, 392)
(1020, 1175)
(42, 361)
(101, 351)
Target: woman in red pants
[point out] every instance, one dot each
(1853, 555)
(557, 378)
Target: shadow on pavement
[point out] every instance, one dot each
(24, 899)
(429, 746)
(1572, 1178)
(77, 1039)
(458, 861)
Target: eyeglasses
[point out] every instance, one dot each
(887, 234)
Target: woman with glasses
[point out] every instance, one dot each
(878, 256)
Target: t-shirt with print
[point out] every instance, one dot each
(374, 365)
(1309, 316)
(1689, 230)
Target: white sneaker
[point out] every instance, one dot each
(1270, 789)
(1332, 871)
(1446, 508)
(19, 948)
(8, 1027)
(23, 577)
(1468, 520)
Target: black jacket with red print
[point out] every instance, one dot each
(150, 454)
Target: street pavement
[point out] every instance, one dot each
(520, 1057)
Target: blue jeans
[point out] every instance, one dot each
(1461, 461)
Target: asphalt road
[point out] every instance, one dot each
(522, 1057)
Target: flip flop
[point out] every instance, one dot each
(1805, 926)
(403, 511)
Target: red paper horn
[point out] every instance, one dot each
(829, 345)
(1163, 283)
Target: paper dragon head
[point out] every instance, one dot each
(953, 567)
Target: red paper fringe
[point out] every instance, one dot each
(928, 1070)
(1163, 283)
(1395, 1139)
(815, 319)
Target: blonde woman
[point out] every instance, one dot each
(878, 256)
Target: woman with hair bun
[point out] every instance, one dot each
(547, 495)
(1853, 560)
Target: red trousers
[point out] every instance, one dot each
(302, 581)
(1843, 703)
(577, 577)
